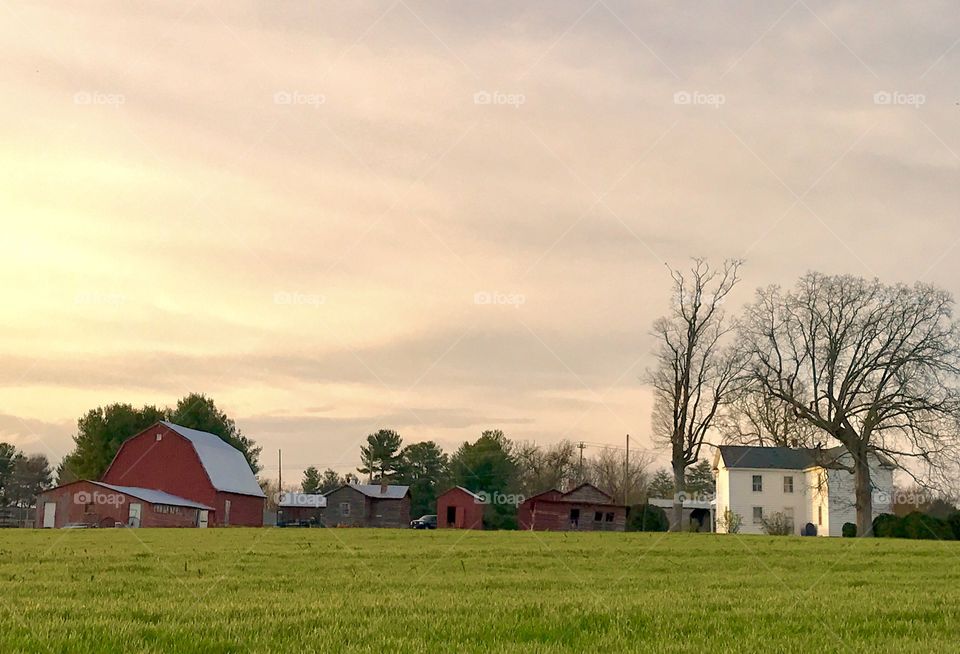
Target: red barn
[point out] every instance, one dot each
(197, 465)
(459, 508)
(95, 504)
(186, 464)
(585, 508)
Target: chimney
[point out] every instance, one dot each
(383, 487)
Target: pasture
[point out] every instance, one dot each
(386, 591)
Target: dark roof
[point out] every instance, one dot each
(376, 491)
(786, 458)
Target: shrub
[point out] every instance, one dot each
(646, 517)
(778, 525)
(730, 522)
(849, 530)
(925, 527)
(954, 522)
(887, 525)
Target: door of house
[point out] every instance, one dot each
(134, 519)
(574, 518)
(452, 516)
(202, 518)
(49, 515)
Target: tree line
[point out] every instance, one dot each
(506, 471)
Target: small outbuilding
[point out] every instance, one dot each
(459, 508)
(300, 509)
(97, 504)
(585, 508)
(368, 505)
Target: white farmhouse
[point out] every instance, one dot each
(757, 482)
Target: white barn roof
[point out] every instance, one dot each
(226, 466)
(151, 496)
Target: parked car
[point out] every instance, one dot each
(425, 522)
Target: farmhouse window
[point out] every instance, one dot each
(344, 508)
(788, 484)
(758, 483)
(598, 516)
(609, 517)
(757, 515)
(788, 514)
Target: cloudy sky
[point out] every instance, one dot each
(438, 217)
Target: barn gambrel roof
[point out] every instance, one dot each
(225, 465)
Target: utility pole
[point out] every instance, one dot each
(581, 445)
(626, 473)
(280, 470)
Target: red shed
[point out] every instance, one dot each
(96, 504)
(585, 508)
(459, 508)
(192, 464)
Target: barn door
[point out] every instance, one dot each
(134, 519)
(49, 515)
(202, 518)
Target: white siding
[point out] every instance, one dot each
(740, 497)
(842, 491)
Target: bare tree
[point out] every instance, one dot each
(874, 366)
(755, 417)
(542, 468)
(696, 372)
(607, 470)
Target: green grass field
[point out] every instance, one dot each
(385, 591)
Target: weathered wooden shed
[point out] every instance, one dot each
(368, 505)
(459, 508)
(585, 508)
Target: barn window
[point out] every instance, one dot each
(758, 483)
(344, 508)
(598, 516)
(757, 515)
(788, 484)
(609, 517)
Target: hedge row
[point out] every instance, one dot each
(917, 525)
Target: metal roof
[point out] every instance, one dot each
(377, 491)
(304, 500)
(154, 496)
(471, 493)
(226, 466)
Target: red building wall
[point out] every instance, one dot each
(84, 502)
(551, 511)
(467, 512)
(172, 465)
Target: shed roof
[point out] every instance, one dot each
(152, 496)
(379, 491)
(226, 466)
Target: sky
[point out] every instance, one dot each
(439, 217)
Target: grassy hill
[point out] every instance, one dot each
(385, 591)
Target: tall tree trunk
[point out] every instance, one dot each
(864, 492)
(679, 486)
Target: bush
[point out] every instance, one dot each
(954, 522)
(730, 522)
(925, 527)
(646, 517)
(887, 525)
(849, 530)
(778, 525)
